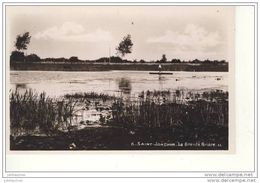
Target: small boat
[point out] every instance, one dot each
(161, 73)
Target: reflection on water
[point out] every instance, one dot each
(124, 85)
(161, 80)
(20, 86)
(130, 83)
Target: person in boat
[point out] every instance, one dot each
(160, 68)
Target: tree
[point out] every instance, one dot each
(17, 56)
(176, 60)
(73, 59)
(163, 59)
(22, 41)
(33, 58)
(116, 60)
(125, 46)
(196, 61)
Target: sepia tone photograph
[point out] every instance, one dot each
(119, 77)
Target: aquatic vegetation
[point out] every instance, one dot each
(40, 122)
(30, 111)
(36, 113)
(90, 96)
(165, 113)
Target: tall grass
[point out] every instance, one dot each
(30, 112)
(164, 109)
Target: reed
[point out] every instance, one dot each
(90, 96)
(154, 116)
(36, 113)
(32, 112)
(165, 109)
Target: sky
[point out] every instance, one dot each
(91, 32)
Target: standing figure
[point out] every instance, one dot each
(160, 68)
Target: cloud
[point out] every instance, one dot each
(193, 37)
(73, 32)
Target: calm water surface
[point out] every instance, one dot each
(56, 83)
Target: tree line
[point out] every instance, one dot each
(124, 48)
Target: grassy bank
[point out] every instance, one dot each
(154, 120)
(81, 66)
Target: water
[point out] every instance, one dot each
(127, 83)
(56, 83)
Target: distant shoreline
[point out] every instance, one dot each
(79, 66)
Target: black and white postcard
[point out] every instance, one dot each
(119, 77)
